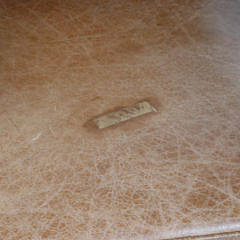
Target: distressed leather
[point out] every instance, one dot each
(171, 174)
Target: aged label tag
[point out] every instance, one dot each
(124, 114)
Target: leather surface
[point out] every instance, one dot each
(170, 174)
(223, 236)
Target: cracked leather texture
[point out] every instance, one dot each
(171, 174)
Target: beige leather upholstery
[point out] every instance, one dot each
(171, 174)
